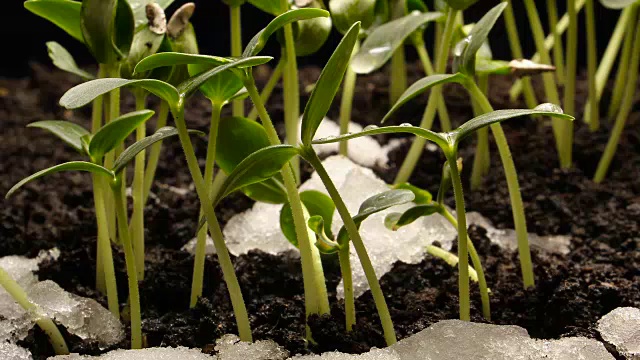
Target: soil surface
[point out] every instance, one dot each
(572, 292)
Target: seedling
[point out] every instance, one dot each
(44, 322)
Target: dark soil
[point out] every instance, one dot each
(572, 292)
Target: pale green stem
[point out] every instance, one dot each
(291, 91)
(96, 124)
(112, 111)
(516, 53)
(570, 81)
(130, 261)
(592, 63)
(445, 121)
(198, 263)
(417, 147)
(623, 69)
(154, 152)
(315, 291)
(478, 273)
(463, 253)
(236, 50)
(45, 323)
(228, 272)
(104, 246)
(625, 108)
(558, 51)
(515, 197)
(563, 24)
(609, 58)
(450, 259)
(348, 88)
(347, 281)
(268, 87)
(137, 191)
(358, 244)
(548, 79)
(481, 160)
(398, 76)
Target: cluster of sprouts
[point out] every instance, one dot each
(137, 48)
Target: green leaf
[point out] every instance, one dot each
(437, 138)
(237, 139)
(83, 94)
(63, 13)
(64, 61)
(327, 85)
(115, 132)
(460, 4)
(395, 221)
(375, 204)
(257, 167)
(319, 204)
(219, 88)
(145, 43)
(139, 13)
(164, 59)
(313, 33)
(345, 13)
(130, 153)
(421, 196)
(468, 128)
(258, 42)
(107, 27)
(465, 52)
(190, 85)
(618, 4)
(324, 243)
(269, 6)
(68, 132)
(423, 85)
(68, 166)
(384, 40)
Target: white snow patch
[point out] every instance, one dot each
(621, 328)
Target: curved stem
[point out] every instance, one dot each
(236, 50)
(291, 91)
(443, 114)
(96, 124)
(418, 144)
(607, 61)
(130, 260)
(104, 247)
(477, 265)
(228, 272)
(548, 79)
(463, 253)
(44, 322)
(315, 291)
(112, 111)
(358, 244)
(625, 108)
(276, 75)
(137, 216)
(558, 56)
(154, 152)
(592, 117)
(348, 88)
(198, 263)
(515, 197)
(623, 66)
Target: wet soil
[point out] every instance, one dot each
(601, 272)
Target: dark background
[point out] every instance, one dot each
(24, 34)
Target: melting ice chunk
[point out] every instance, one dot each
(179, 353)
(621, 328)
(229, 347)
(13, 352)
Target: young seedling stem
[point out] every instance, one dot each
(398, 76)
(592, 116)
(358, 244)
(623, 67)
(291, 90)
(112, 111)
(137, 218)
(236, 50)
(558, 50)
(346, 103)
(417, 147)
(570, 79)
(625, 107)
(198, 267)
(44, 322)
(228, 272)
(96, 124)
(154, 152)
(276, 75)
(481, 160)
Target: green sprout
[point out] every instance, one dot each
(449, 143)
(44, 322)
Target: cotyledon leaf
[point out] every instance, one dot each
(63, 60)
(68, 132)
